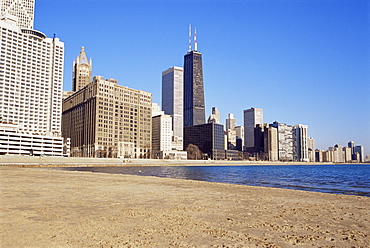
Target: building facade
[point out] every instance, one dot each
(215, 116)
(82, 71)
(285, 141)
(359, 153)
(208, 137)
(173, 102)
(300, 141)
(252, 117)
(271, 146)
(31, 73)
(14, 142)
(107, 120)
(239, 137)
(161, 135)
(230, 122)
(311, 149)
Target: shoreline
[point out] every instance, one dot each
(25, 161)
(52, 208)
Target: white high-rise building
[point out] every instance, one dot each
(20, 12)
(300, 141)
(252, 117)
(31, 74)
(173, 102)
(285, 141)
(161, 134)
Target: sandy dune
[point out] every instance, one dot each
(50, 208)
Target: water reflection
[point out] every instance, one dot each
(343, 179)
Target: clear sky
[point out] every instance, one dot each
(301, 61)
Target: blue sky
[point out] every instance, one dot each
(302, 61)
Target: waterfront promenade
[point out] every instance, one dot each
(40, 207)
(29, 161)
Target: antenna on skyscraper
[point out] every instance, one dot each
(189, 48)
(195, 40)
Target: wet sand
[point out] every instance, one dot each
(51, 208)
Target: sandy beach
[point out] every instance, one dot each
(50, 208)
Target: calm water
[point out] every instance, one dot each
(337, 179)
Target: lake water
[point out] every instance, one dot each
(335, 179)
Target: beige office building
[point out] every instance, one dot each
(271, 145)
(104, 119)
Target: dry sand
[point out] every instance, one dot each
(51, 208)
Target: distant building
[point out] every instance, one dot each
(231, 122)
(239, 137)
(258, 147)
(285, 141)
(367, 159)
(107, 120)
(173, 102)
(161, 135)
(208, 137)
(156, 109)
(319, 155)
(338, 155)
(82, 71)
(215, 116)
(271, 145)
(347, 153)
(311, 149)
(194, 110)
(300, 137)
(359, 153)
(231, 139)
(351, 145)
(252, 117)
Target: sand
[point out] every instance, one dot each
(51, 208)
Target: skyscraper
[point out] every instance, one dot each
(173, 101)
(31, 74)
(82, 71)
(252, 117)
(194, 113)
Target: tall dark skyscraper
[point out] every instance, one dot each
(194, 113)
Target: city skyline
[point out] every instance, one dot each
(302, 62)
